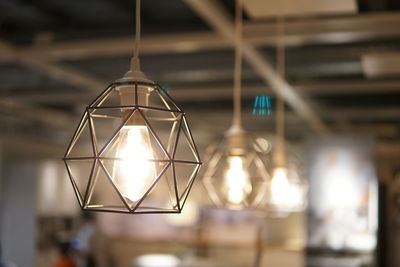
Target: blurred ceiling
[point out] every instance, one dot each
(342, 61)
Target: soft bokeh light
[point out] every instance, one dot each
(288, 193)
(157, 260)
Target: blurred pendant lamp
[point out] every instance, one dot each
(236, 175)
(133, 151)
(287, 190)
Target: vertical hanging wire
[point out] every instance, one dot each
(280, 104)
(135, 63)
(237, 84)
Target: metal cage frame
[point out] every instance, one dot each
(181, 130)
(217, 159)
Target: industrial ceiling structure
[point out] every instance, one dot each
(343, 65)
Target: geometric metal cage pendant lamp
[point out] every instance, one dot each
(236, 176)
(133, 151)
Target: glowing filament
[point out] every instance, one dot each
(237, 184)
(285, 195)
(134, 172)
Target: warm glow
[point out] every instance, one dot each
(134, 173)
(154, 260)
(236, 181)
(285, 194)
(279, 187)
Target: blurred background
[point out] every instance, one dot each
(342, 128)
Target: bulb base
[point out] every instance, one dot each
(134, 95)
(236, 140)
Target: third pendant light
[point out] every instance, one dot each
(287, 189)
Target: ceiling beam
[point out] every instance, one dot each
(48, 116)
(388, 149)
(320, 88)
(68, 75)
(52, 118)
(348, 87)
(184, 93)
(331, 30)
(28, 111)
(366, 113)
(123, 46)
(215, 15)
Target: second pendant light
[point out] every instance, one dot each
(236, 176)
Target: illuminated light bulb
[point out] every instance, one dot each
(286, 195)
(237, 184)
(134, 173)
(279, 187)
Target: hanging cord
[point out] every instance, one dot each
(237, 106)
(280, 104)
(135, 62)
